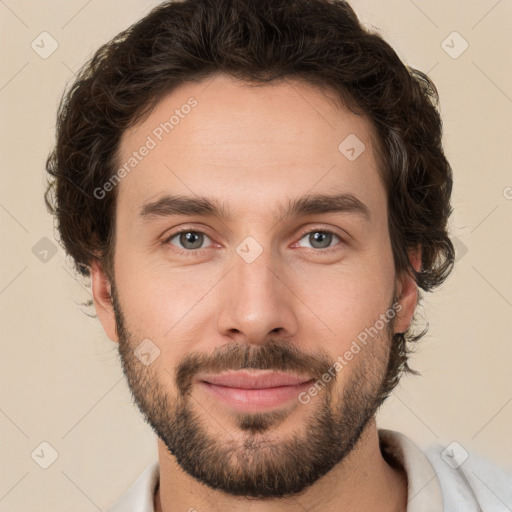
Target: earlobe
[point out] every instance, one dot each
(101, 292)
(408, 293)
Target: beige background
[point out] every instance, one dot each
(61, 380)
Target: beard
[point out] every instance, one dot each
(259, 463)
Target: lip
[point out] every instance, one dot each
(255, 379)
(254, 390)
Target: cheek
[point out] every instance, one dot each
(170, 306)
(346, 299)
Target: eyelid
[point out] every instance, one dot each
(167, 239)
(303, 233)
(342, 238)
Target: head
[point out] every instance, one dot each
(197, 160)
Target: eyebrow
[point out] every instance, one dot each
(170, 205)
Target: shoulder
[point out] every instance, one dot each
(466, 476)
(445, 476)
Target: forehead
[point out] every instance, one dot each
(248, 145)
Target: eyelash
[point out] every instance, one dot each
(191, 252)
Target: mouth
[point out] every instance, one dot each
(252, 391)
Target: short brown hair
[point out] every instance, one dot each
(320, 42)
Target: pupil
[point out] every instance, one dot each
(321, 237)
(192, 239)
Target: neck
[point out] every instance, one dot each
(363, 480)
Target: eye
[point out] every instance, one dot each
(188, 239)
(320, 238)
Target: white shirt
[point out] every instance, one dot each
(439, 479)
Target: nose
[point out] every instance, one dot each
(257, 301)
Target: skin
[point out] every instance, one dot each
(253, 148)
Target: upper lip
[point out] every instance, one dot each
(254, 379)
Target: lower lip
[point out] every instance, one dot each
(255, 399)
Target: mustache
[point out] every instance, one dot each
(273, 355)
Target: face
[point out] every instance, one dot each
(249, 246)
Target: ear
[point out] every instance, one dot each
(407, 293)
(101, 292)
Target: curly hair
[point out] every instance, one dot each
(320, 42)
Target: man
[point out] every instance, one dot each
(257, 190)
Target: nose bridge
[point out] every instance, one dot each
(256, 279)
(257, 301)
